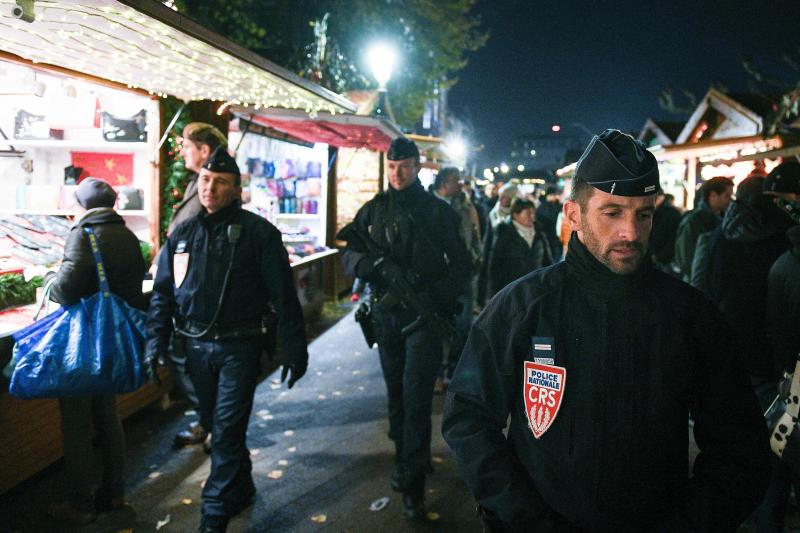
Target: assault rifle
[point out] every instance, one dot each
(398, 284)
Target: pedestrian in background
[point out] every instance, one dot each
(221, 277)
(198, 142)
(715, 196)
(598, 362)
(547, 216)
(666, 220)
(82, 416)
(520, 247)
(498, 214)
(448, 189)
(420, 234)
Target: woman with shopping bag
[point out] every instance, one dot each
(98, 228)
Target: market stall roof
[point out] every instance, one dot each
(717, 148)
(340, 130)
(146, 45)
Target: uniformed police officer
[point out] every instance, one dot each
(420, 233)
(598, 360)
(198, 141)
(220, 274)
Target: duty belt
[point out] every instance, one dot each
(220, 332)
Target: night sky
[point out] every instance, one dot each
(603, 64)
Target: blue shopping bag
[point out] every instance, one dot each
(94, 346)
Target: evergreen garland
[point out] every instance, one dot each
(174, 174)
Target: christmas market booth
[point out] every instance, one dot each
(309, 174)
(83, 92)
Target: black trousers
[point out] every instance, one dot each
(224, 375)
(409, 367)
(80, 417)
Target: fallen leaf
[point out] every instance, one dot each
(190, 412)
(274, 386)
(319, 518)
(292, 449)
(186, 501)
(276, 381)
(432, 516)
(154, 475)
(379, 504)
(269, 417)
(263, 412)
(436, 459)
(275, 474)
(288, 433)
(162, 523)
(321, 397)
(283, 462)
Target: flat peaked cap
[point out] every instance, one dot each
(402, 148)
(221, 161)
(616, 163)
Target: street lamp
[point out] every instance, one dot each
(456, 149)
(381, 58)
(503, 168)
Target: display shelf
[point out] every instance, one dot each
(298, 215)
(56, 143)
(67, 212)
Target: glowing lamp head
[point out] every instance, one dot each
(381, 58)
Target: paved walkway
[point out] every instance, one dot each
(321, 459)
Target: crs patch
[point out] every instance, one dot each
(543, 389)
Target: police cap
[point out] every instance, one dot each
(402, 148)
(221, 161)
(616, 163)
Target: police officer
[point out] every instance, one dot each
(218, 277)
(421, 234)
(198, 142)
(598, 360)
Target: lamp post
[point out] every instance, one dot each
(381, 58)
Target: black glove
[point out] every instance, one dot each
(151, 367)
(297, 372)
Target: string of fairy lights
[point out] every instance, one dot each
(108, 40)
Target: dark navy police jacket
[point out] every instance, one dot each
(639, 352)
(260, 275)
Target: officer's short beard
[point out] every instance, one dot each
(603, 253)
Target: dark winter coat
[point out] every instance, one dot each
(783, 305)
(692, 225)
(512, 258)
(740, 254)
(666, 220)
(122, 258)
(260, 277)
(421, 234)
(640, 352)
(547, 215)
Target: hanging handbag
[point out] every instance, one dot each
(94, 346)
(784, 436)
(131, 129)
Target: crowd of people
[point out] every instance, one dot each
(568, 397)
